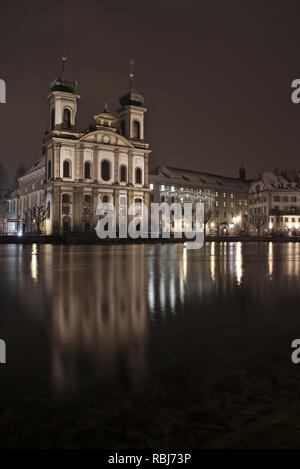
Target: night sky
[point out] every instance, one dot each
(216, 76)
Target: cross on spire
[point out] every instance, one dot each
(131, 72)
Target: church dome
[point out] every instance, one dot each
(63, 82)
(105, 118)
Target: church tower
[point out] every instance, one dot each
(131, 113)
(63, 102)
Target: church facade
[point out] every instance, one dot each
(106, 163)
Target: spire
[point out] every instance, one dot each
(64, 59)
(63, 82)
(133, 97)
(131, 73)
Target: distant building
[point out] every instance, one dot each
(8, 224)
(226, 197)
(275, 197)
(107, 162)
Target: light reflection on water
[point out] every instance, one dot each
(98, 310)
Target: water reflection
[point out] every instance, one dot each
(100, 309)
(238, 262)
(34, 263)
(270, 259)
(99, 312)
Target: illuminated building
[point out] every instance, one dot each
(107, 162)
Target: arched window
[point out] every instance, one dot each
(65, 198)
(123, 173)
(52, 119)
(138, 176)
(66, 169)
(105, 170)
(136, 129)
(87, 170)
(67, 119)
(49, 169)
(123, 128)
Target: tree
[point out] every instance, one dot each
(258, 221)
(35, 216)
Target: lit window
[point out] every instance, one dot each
(224, 194)
(151, 187)
(172, 189)
(162, 188)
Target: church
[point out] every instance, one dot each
(106, 163)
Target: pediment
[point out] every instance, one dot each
(106, 137)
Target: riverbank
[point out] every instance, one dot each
(92, 239)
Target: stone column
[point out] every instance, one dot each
(146, 171)
(116, 204)
(95, 164)
(56, 210)
(56, 160)
(116, 154)
(77, 209)
(78, 156)
(130, 168)
(95, 198)
(130, 202)
(147, 204)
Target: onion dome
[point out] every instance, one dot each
(63, 82)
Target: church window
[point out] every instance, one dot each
(123, 127)
(123, 175)
(138, 176)
(49, 169)
(136, 129)
(67, 119)
(105, 170)
(87, 170)
(66, 169)
(52, 119)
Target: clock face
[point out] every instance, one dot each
(106, 139)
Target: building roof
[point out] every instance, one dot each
(277, 180)
(40, 163)
(187, 177)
